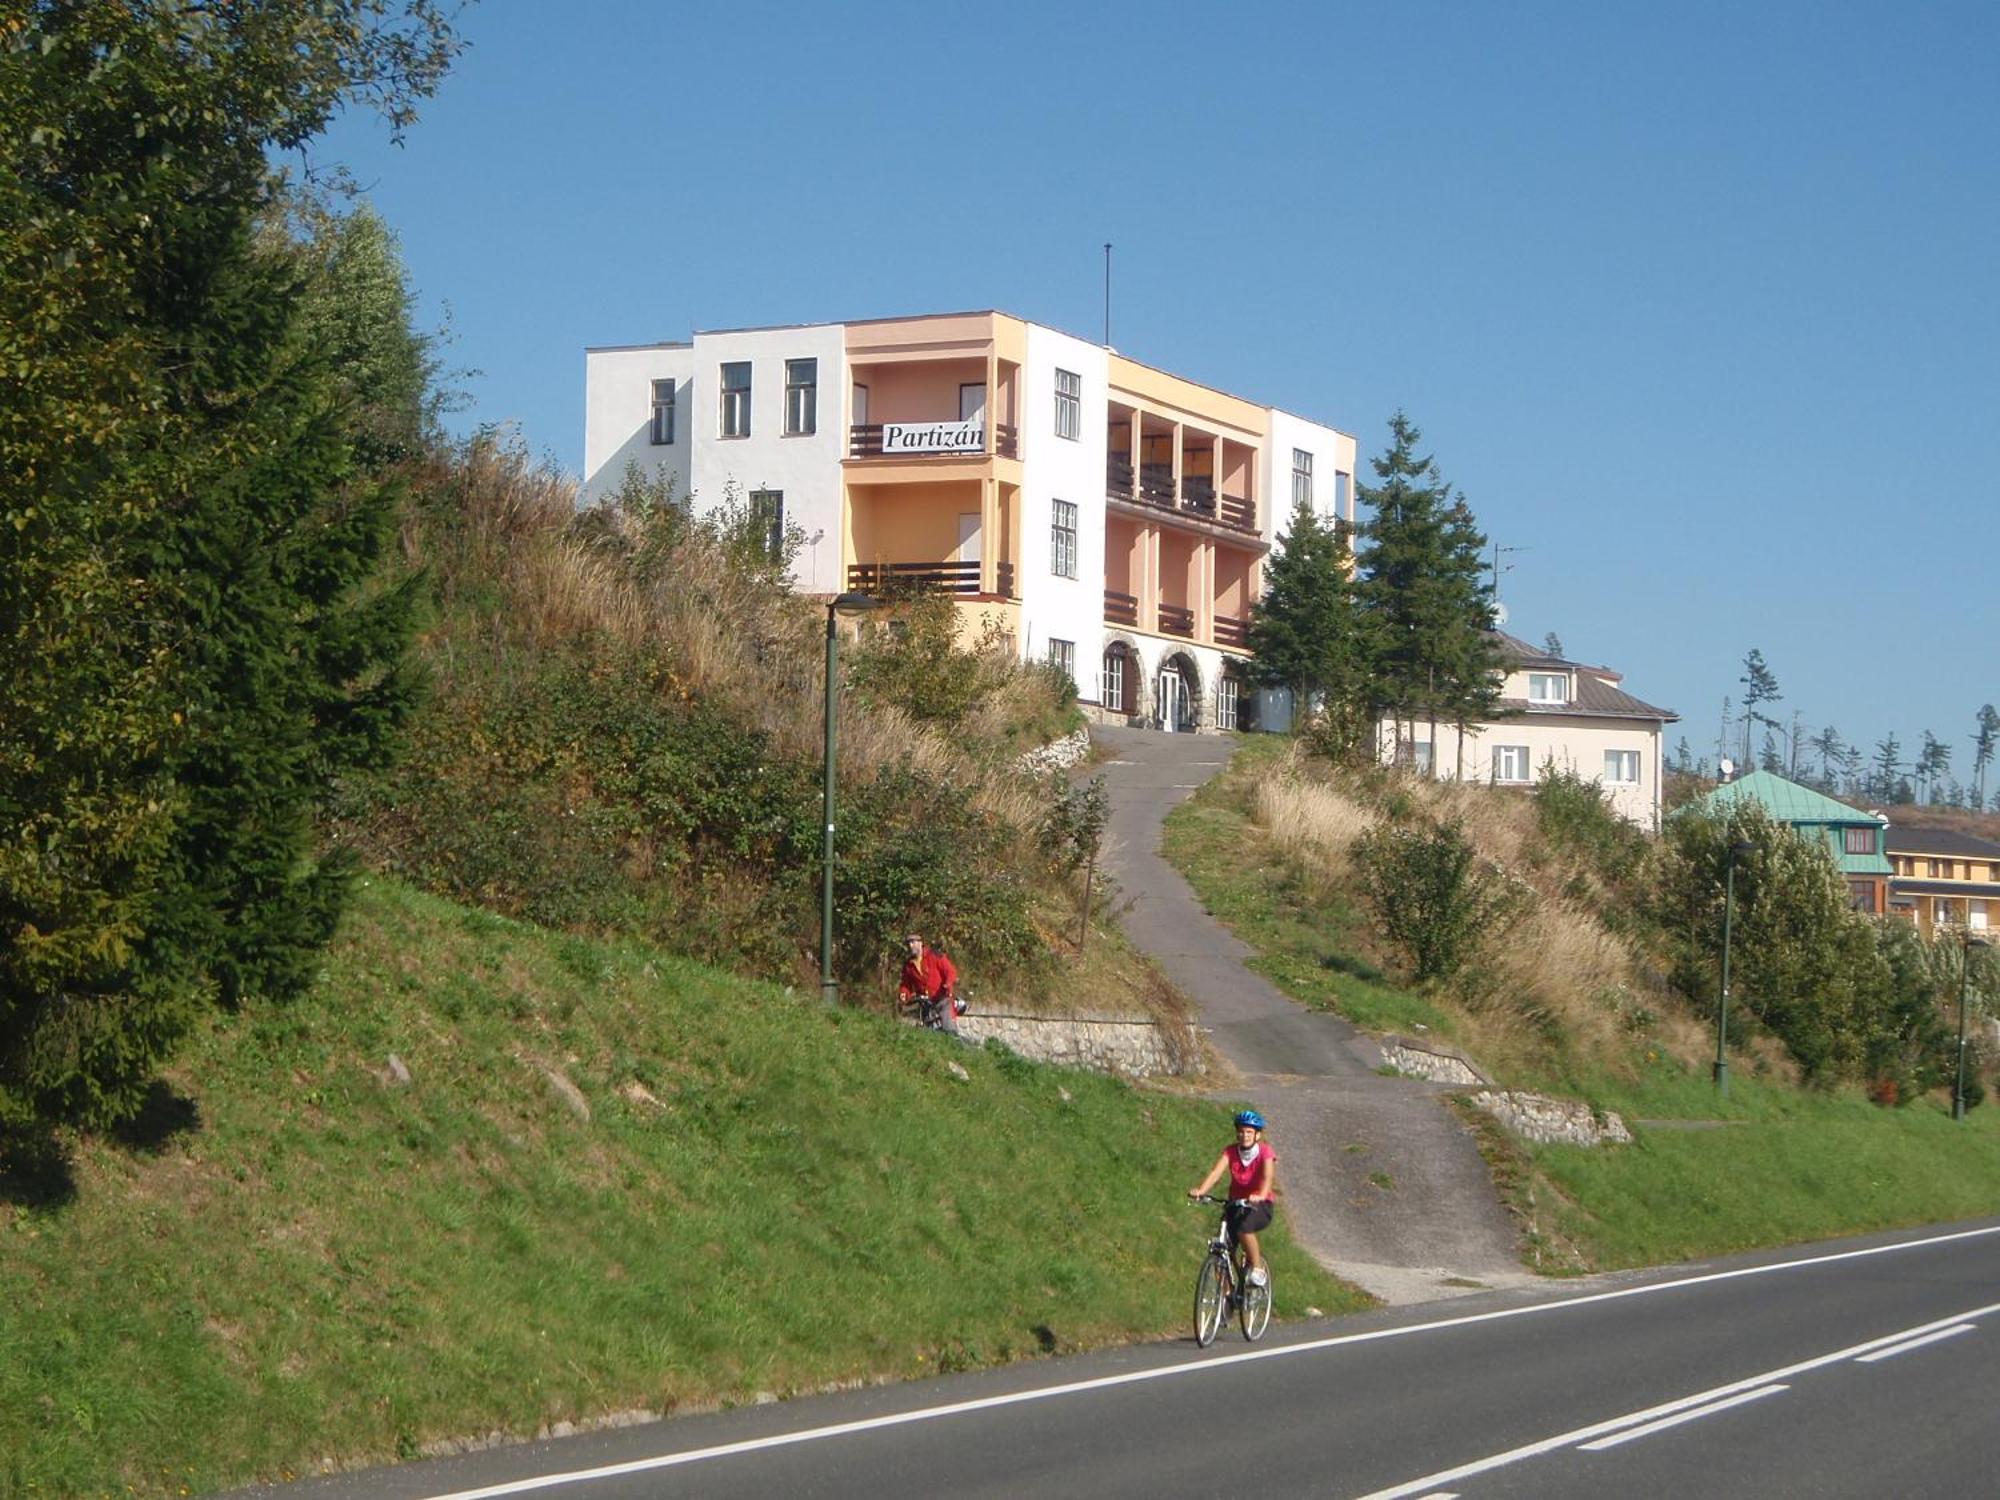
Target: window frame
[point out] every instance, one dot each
(1062, 656)
(1069, 405)
(1526, 765)
(801, 398)
(1561, 681)
(1302, 477)
(735, 400)
(1343, 492)
(774, 534)
(1228, 700)
(1111, 680)
(1063, 539)
(1633, 757)
(664, 410)
(1848, 836)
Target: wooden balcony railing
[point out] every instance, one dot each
(1198, 496)
(1118, 479)
(1175, 620)
(1194, 496)
(1232, 630)
(1121, 609)
(865, 441)
(1156, 484)
(1234, 510)
(890, 579)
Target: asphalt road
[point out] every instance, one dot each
(1861, 1368)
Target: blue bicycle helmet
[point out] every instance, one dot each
(1251, 1118)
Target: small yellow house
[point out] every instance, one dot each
(1942, 878)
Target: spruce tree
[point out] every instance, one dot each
(1760, 686)
(1988, 725)
(1428, 607)
(1307, 634)
(193, 638)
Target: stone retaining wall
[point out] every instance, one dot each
(1425, 1062)
(1104, 1044)
(1546, 1121)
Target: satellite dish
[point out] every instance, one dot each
(1499, 613)
(1727, 767)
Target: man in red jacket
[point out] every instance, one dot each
(929, 975)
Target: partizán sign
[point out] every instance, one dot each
(934, 437)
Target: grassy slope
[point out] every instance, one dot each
(328, 1266)
(1787, 1165)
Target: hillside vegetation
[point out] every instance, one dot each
(1568, 989)
(615, 1180)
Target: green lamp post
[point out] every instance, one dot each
(1737, 850)
(844, 604)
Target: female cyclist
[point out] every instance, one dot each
(1253, 1176)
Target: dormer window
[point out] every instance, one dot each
(1548, 687)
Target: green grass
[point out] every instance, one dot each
(327, 1266)
(1771, 1164)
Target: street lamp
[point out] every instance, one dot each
(1964, 976)
(844, 604)
(1737, 850)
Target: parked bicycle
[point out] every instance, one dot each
(1223, 1286)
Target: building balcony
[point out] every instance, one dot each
(1175, 620)
(1232, 630)
(1121, 609)
(959, 578)
(930, 440)
(1155, 487)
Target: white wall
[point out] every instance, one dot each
(1572, 742)
(618, 416)
(1055, 468)
(1331, 451)
(806, 468)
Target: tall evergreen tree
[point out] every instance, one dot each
(1307, 634)
(1983, 743)
(1827, 743)
(1885, 773)
(193, 643)
(1423, 591)
(1933, 764)
(1760, 686)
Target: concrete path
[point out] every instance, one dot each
(1380, 1181)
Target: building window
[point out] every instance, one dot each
(1548, 687)
(767, 509)
(1510, 763)
(1225, 702)
(1069, 405)
(801, 397)
(1062, 540)
(1414, 755)
(1062, 656)
(1861, 893)
(1302, 477)
(1860, 840)
(736, 399)
(1111, 681)
(1343, 491)
(663, 413)
(1621, 767)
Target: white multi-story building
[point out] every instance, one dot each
(1112, 517)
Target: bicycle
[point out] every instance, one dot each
(933, 1011)
(1223, 1285)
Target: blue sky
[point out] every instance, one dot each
(1696, 303)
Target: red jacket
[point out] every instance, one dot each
(934, 975)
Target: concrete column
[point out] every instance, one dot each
(992, 400)
(1149, 592)
(989, 520)
(1204, 603)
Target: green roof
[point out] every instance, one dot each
(1804, 809)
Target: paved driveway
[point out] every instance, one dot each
(1342, 1130)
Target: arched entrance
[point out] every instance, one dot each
(1177, 694)
(1119, 680)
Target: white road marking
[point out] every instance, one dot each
(1284, 1351)
(1442, 1495)
(1581, 1436)
(1634, 1433)
(1929, 1338)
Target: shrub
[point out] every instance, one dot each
(1432, 894)
(1575, 816)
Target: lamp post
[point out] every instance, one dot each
(1737, 850)
(1964, 977)
(844, 604)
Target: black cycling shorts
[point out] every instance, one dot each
(1246, 1217)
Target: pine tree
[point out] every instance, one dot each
(1982, 751)
(1307, 633)
(1828, 743)
(1887, 767)
(1424, 594)
(1933, 762)
(1760, 686)
(193, 640)
(1552, 643)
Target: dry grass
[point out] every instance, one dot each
(1556, 976)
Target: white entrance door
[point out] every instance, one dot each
(1173, 699)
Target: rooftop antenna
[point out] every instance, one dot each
(1107, 294)
(1498, 570)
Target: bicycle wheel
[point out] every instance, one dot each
(1255, 1308)
(1211, 1300)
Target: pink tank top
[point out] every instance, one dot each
(1243, 1178)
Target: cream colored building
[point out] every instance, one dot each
(1554, 712)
